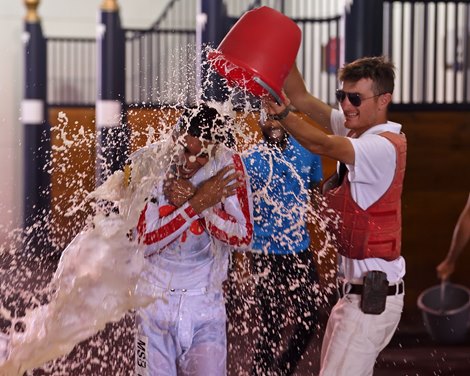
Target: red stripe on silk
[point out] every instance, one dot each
(242, 195)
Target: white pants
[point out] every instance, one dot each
(353, 339)
(4, 343)
(182, 334)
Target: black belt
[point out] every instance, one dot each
(397, 289)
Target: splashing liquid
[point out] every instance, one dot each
(98, 278)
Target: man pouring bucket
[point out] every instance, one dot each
(365, 192)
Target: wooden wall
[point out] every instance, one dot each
(437, 184)
(436, 187)
(73, 169)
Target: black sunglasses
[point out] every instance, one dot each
(354, 98)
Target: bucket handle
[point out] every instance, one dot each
(268, 88)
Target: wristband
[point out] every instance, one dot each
(280, 116)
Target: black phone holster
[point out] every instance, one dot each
(374, 293)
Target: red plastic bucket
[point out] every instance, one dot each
(258, 52)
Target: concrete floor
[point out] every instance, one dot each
(110, 354)
(411, 353)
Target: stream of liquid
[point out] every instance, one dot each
(98, 278)
(442, 296)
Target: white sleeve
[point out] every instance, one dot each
(337, 123)
(232, 222)
(158, 229)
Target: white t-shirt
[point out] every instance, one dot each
(370, 177)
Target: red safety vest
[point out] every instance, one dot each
(376, 231)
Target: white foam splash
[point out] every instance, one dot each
(98, 277)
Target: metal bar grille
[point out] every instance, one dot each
(160, 67)
(428, 42)
(71, 71)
